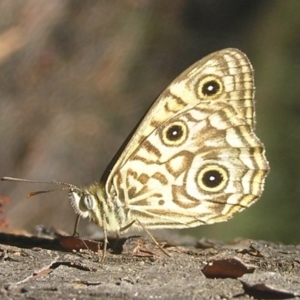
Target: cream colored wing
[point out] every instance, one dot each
(194, 158)
(197, 168)
(229, 71)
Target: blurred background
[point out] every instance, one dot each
(76, 76)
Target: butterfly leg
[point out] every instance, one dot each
(105, 242)
(127, 226)
(148, 232)
(75, 232)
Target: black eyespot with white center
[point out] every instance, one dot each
(210, 87)
(212, 178)
(174, 134)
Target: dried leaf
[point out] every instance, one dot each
(227, 268)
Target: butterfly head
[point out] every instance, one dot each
(84, 201)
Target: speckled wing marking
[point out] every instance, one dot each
(165, 187)
(229, 66)
(194, 159)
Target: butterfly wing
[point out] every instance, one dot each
(201, 125)
(215, 168)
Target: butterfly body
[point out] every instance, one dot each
(194, 159)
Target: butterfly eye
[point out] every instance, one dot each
(212, 178)
(77, 201)
(89, 202)
(210, 87)
(174, 134)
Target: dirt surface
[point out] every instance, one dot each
(41, 268)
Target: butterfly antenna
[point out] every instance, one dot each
(68, 185)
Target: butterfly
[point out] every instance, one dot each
(194, 158)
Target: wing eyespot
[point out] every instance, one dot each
(210, 87)
(174, 134)
(212, 178)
